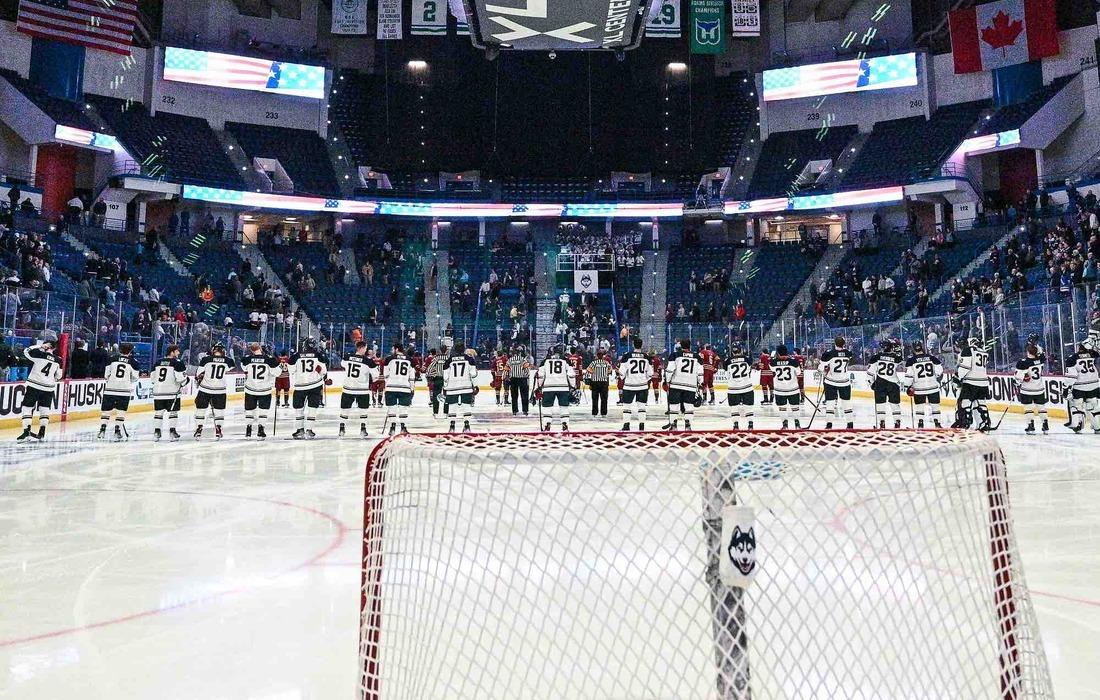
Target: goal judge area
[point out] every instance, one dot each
(754, 565)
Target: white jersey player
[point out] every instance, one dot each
(1081, 370)
(684, 378)
(360, 371)
(837, 383)
(459, 386)
(555, 380)
(260, 372)
(308, 377)
(922, 381)
(788, 393)
(121, 374)
(400, 375)
(1032, 390)
(740, 391)
(213, 377)
(883, 371)
(38, 395)
(636, 371)
(974, 386)
(169, 378)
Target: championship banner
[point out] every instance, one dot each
(428, 17)
(389, 19)
(745, 17)
(664, 20)
(458, 11)
(586, 281)
(349, 16)
(737, 557)
(707, 26)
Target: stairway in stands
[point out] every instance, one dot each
(437, 304)
(652, 327)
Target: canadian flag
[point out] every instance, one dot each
(1003, 33)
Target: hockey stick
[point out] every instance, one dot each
(1069, 407)
(275, 416)
(1002, 418)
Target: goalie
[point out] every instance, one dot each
(973, 381)
(1085, 387)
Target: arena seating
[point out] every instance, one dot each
(183, 149)
(213, 261)
(905, 150)
(353, 107)
(302, 154)
(154, 272)
(545, 189)
(64, 112)
(786, 153)
(739, 114)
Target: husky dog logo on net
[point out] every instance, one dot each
(709, 32)
(742, 550)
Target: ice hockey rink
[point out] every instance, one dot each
(231, 569)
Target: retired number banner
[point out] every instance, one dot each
(429, 17)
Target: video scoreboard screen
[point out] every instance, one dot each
(557, 25)
(855, 75)
(243, 73)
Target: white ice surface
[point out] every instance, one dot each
(231, 569)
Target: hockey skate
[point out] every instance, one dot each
(687, 425)
(198, 433)
(465, 427)
(545, 429)
(175, 436)
(118, 434)
(261, 434)
(451, 428)
(24, 435)
(102, 434)
(641, 427)
(736, 426)
(363, 430)
(156, 435)
(248, 431)
(829, 425)
(217, 432)
(341, 432)
(299, 434)
(797, 424)
(851, 425)
(310, 435)
(786, 425)
(564, 427)
(1046, 426)
(41, 434)
(750, 425)
(626, 427)
(404, 430)
(897, 425)
(920, 424)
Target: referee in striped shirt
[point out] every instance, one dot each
(434, 373)
(599, 376)
(519, 379)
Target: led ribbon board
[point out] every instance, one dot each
(856, 75)
(243, 73)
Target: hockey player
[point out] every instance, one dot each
(973, 379)
(786, 371)
(460, 386)
(922, 380)
(658, 365)
(837, 399)
(121, 373)
(1032, 389)
(710, 361)
(308, 375)
(556, 380)
(38, 394)
(764, 364)
(169, 377)
(282, 382)
(883, 373)
(260, 373)
(400, 381)
(739, 386)
(499, 365)
(360, 372)
(683, 380)
(576, 359)
(1081, 370)
(212, 389)
(378, 386)
(636, 372)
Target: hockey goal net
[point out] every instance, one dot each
(694, 565)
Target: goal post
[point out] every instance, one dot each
(739, 566)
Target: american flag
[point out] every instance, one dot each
(97, 24)
(243, 73)
(856, 75)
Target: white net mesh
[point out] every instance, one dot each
(586, 566)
